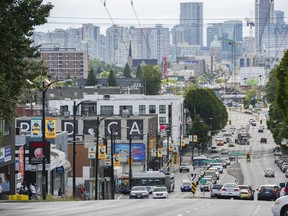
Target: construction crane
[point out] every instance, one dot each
(251, 24)
(233, 54)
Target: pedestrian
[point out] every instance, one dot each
(83, 192)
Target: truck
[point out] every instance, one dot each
(242, 138)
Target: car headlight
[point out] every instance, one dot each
(133, 194)
(143, 194)
(277, 202)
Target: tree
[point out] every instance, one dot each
(151, 79)
(91, 80)
(208, 106)
(17, 22)
(138, 71)
(99, 70)
(111, 81)
(127, 72)
(201, 129)
(271, 86)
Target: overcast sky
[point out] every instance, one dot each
(72, 13)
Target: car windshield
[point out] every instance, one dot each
(139, 189)
(243, 187)
(160, 189)
(230, 186)
(217, 186)
(186, 184)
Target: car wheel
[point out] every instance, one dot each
(284, 211)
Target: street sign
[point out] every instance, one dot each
(236, 153)
(203, 181)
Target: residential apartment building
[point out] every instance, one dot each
(64, 62)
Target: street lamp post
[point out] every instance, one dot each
(45, 85)
(112, 164)
(75, 107)
(180, 152)
(96, 157)
(130, 163)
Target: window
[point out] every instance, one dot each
(142, 109)
(162, 109)
(162, 120)
(106, 110)
(152, 109)
(91, 107)
(63, 109)
(129, 108)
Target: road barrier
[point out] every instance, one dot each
(193, 189)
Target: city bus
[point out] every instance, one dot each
(199, 162)
(152, 179)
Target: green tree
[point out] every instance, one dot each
(17, 22)
(151, 79)
(111, 81)
(91, 80)
(271, 87)
(138, 71)
(205, 103)
(99, 70)
(201, 129)
(127, 72)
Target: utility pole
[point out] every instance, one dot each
(112, 164)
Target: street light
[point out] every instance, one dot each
(45, 85)
(130, 163)
(75, 107)
(96, 157)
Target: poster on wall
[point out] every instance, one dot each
(113, 126)
(36, 152)
(5, 154)
(50, 128)
(138, 151)
(68, 125)
(5, 182)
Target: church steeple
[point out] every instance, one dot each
(130, 58)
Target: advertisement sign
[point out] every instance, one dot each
(101, 152)
(160, 153)
(195, 138)
(183, 144)
(137, 150)
(21, 162)
(89, 127)
(108, 160)
(36, 152)
(113, 126)
(91, 153)
(135, 129)
(153, 152)
(116, 160)
(36, 127)
(68, 125)
(50, 128)
(5, 179)
(171, 147)
(5, 154)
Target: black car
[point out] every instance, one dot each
(269, 192)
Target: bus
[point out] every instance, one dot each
(199, 162)
(152, 179)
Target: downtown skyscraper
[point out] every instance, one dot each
(190, 29)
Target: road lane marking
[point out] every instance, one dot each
(223, 176)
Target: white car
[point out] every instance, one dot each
(219, 168)
(280, 206)
(269, 172)
(230, 190)
(160, 193)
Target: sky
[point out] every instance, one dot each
(72, 13)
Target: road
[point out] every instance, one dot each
(170, 207)
(179, 203)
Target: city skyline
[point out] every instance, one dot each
(141, 14)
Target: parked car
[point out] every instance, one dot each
(230, 190)
(215, 190)
(186, 185)
(184, 166)
(269, 172)
(280, 207)
(139, 192)
(160, 193)
(285, 186)
(269, 192)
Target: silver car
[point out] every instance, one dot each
(160, 193)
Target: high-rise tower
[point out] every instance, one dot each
(264, 17)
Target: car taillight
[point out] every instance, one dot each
(236, 189)
(286, 189)
(223, 189)
(210, 190)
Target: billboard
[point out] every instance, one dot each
(50, 128)
(36, 127)
(36, 152)
(68, 125)
(138, 151)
